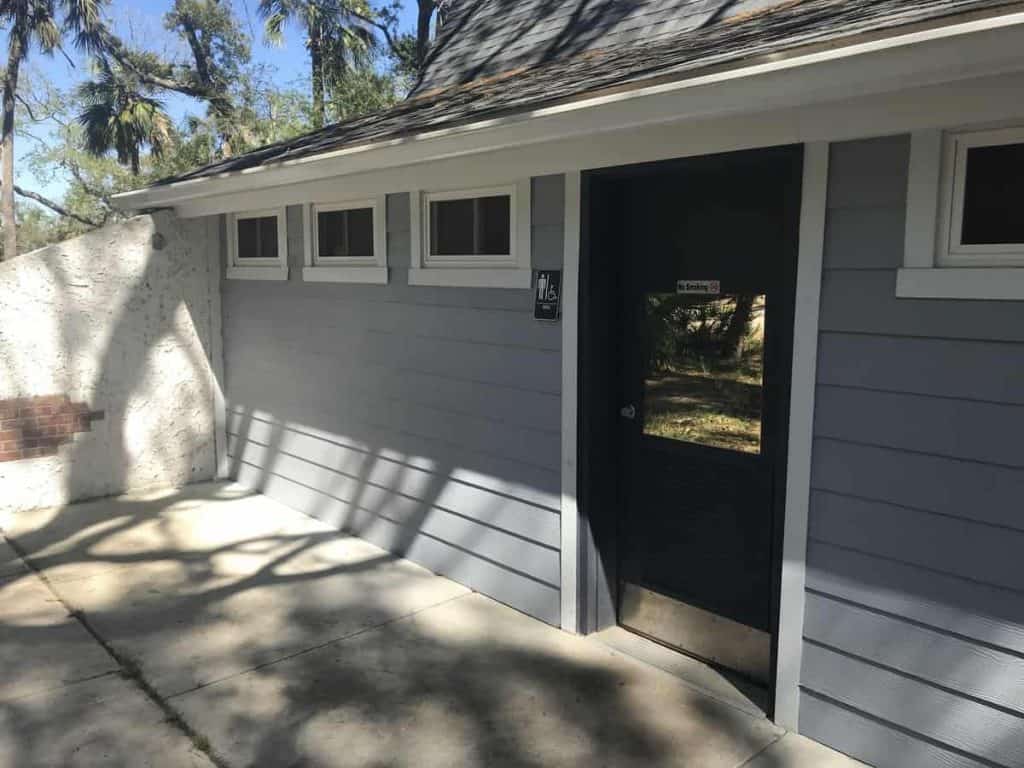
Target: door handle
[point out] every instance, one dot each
(628, 411)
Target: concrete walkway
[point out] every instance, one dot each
(215, 627)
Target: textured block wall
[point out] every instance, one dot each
(120, 323)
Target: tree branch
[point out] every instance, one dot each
(94, 191)
(55, 207)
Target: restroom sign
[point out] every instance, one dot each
(548, 298)
(699, 287)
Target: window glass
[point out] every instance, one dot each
(994, 195)
(468, 227)
(345, 234)
(705, 369)
(257, 238)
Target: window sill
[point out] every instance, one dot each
(257, 273)
(472, 277)
(363, 275)
(972, 283)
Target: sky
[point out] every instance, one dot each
(141, 21)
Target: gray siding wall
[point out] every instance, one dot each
(914, 630)
(425, 420)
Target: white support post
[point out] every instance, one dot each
(801, 427)
(570, 359)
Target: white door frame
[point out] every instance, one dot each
(789, 642)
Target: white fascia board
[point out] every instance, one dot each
(960, 51)
(983, 100)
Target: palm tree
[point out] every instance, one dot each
(38, 24)
(119, 117)
(337, 38)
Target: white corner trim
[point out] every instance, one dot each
(471, 277)
(801, 434)
(570, 373)
(973, 283)
(363, 275)
(257, 273)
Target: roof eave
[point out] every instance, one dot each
(491, 134)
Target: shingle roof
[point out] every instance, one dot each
(484, 37)
(758, 32)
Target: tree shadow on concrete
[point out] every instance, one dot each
(286, 643)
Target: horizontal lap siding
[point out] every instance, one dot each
(423, 419)
(914, 626)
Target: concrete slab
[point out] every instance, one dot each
(283, 642)
(104, 723)
(725, 687)
(470, 682)
(41, 648)
(793, 751)
(194, 588)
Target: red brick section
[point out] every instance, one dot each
(31, 427)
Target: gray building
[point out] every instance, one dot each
(702, 319)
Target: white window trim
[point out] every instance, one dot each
(258, 269)
(935, 263)
(473, 270)
(346, 269)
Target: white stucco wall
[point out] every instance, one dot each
(126, 319)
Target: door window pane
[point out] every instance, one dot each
(345, 234)
(257, 238)
(704, 374)
(994, 195)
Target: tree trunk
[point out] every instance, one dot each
(316, 58)
(736, 331)
(8, 218)
(426, 10)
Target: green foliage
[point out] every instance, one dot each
(118, 115)
(112, 133)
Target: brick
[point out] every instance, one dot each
(9, 434)
(10, 455)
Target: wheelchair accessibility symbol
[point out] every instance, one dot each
(547, 299)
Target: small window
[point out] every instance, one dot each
(986, 198)
(344, 234)
(346, 242)
(994, 196)
(473, 238)
(257, 238)
(257, 245)
(478, 226)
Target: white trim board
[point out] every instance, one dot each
(988, 99)
(570, 372)
(801, 428)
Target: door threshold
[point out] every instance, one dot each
(721, 685)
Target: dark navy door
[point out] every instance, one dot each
(710, 253)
